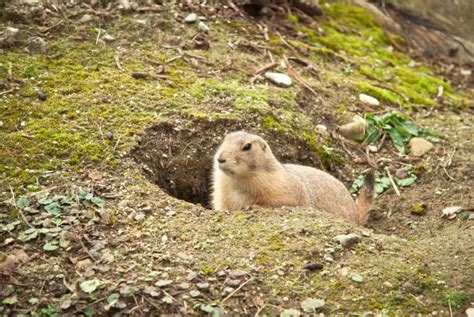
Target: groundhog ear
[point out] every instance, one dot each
(263, 145)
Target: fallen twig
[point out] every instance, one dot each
(142, 75)
(19, 209)
(263, 69)
(84, 247)
(237, 289)
(6, 91)
(98, 36)
(293, 73)
(392, 181)
(117, 62)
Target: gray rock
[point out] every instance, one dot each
(420, 146)
(328, 258)
(192, 276)
(354, 130)
(227, 290)
(191, 18)
(279, 79)
(184, 285)
(347, 240)
(232, 282)
(37, 45)
(85, 18)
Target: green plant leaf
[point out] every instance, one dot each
(357, 278)
(12, 300)
(90, 286)
(45, 201)
(22, 202)
(406, 181)
(53, 208)
(49, 246)
(310, 305)
(98, 202)
(290, 313)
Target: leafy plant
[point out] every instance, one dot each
(393, 124)
(88, 199)
(382, 182)
(455, 299)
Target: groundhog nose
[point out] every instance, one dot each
(221, 160)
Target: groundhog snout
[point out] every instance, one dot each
(221, 159)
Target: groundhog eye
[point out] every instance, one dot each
(247, 147)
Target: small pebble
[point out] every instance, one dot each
(191, 18)
(399, 297)
(203, 286)
(328, 258)
(42, 95)
(109, 135)
(369, 100)
(184, 285)
(279, 79)
(192, 276)
(347, 240)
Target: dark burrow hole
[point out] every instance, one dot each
(178, 157)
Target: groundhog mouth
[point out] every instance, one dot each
(226, 169)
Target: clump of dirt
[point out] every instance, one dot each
(179, 158)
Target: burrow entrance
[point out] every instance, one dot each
(178, 156)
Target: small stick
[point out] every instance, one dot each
(84, 247)
(6, 91)
(238, 288)
(117, 143)
(172, 59)
(450, 309)
(91, 304)
(391, 181)
(19, 210)
(67, 285)
(297, 77)
(202, 58)
(98, 36)
(152, 303)
(263, 69)
(266, 67)
(117, 62)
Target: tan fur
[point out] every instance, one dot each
(256, 178)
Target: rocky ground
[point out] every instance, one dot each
(108, 122)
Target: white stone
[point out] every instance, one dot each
(108, 38)
(202, 27)
(470, 312)
(191, 18)
(279, 79)
(369, 100)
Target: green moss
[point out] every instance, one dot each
(293, 18)
(379, 93)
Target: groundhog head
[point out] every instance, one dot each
(242, 154)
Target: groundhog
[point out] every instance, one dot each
(247, 174)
